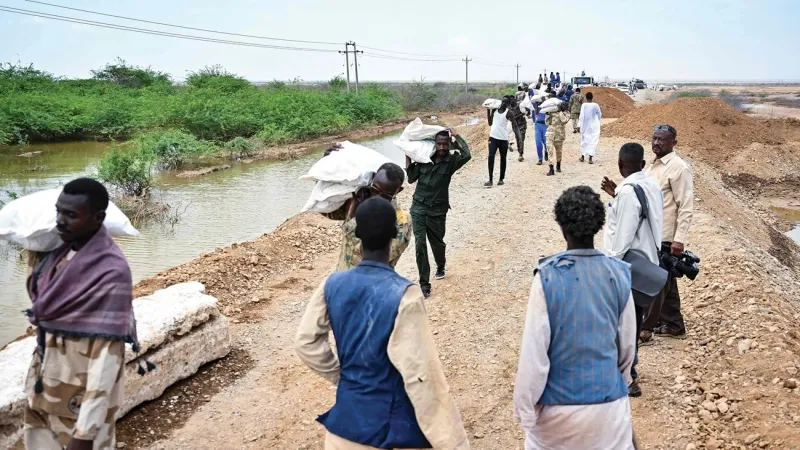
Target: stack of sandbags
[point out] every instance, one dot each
(340, 174)
(417, 141)
(30, 221)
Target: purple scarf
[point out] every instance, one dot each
(91, 296)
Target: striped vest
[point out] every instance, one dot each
(586, 292)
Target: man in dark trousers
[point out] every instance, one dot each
(432, 201)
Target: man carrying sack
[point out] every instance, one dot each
(633, 233)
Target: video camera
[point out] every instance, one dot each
(687, 264)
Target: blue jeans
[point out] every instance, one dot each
(541, 129)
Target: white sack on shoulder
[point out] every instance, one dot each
(328, 196)
(417, 151)
(550, 102)
(548, 109)
(418, 131)
(492, 103)
(30, 221)
(347, 164)
(526, 106)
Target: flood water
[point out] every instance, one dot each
(792, 215)
(229, 206)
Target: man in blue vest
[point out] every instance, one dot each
(579, 340)
(391, 389)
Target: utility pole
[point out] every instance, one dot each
(466, 85)
(517, 66)
(355, 60)
(347, 62)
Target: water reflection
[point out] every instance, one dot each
(229, 206)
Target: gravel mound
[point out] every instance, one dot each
(613, 102)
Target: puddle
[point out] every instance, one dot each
(790, 215)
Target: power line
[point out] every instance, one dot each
(409, 54)
(155, 32)
(400, 58)
(184, 27)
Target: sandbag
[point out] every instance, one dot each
(550, 102)
(328, 196)
(525, 106)
(538, 98)
(418, 131)
(347, 164)
(549, 109)
(492, 103)
(30, 221)
(417, 151)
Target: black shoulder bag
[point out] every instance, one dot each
(647, 279)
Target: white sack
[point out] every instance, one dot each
(492, 103)
(525, 106)
(328, 196)
(30, 221)
(548, 109)
(418, 131)
(538, 98)
(550, 102)
(347, 164)
(418, 151)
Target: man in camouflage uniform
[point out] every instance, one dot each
(556, 135)
(432, 201)
(519, 119)
(575, 104)
(82, 298)
(387, 183)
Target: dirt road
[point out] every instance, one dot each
(699, 392)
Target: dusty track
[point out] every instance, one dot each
(495, 237)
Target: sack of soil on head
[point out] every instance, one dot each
(417, 141)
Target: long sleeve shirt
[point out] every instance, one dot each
(624, 228)
(602, 426)
(412, 352)
(432, 194)
(674, 176)
(83, 384)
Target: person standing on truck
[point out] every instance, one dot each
(575, 103)
(432, 201)
(583, 73)
(498, 137)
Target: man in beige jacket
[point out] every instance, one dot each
(391, 389)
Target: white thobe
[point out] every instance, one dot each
(589, 123)
(569, 427)
(623, 231)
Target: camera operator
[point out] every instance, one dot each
(674, 176)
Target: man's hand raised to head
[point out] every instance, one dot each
(609, 187)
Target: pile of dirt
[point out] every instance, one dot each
(712, 129)
(236, 275)
(613, 102)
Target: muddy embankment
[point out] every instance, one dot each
(731, 384)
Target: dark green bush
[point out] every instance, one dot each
(129, 171)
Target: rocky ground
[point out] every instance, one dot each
(731, 384)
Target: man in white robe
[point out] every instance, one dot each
(589, 124)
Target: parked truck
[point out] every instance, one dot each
(582, 82)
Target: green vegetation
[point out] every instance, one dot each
(120, 101)
(129, 171)
(422, 96)
(700, 93)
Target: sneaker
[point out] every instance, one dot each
(488, 184)
(501, 182)
(668, 331)
(440, 273)
(646, 338)
(521, 158)
(539, 163)
(634, 390)
(426, 290)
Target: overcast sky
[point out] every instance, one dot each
(664, 40)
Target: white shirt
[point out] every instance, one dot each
(569, 427)
(500, 125)
(622, 231)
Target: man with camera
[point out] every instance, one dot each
(674, 176)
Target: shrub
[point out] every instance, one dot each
(239, 148)
(337, 83)
(129, 171)
(130, 76)
(217, 78)
(170, 149)
(700, 93)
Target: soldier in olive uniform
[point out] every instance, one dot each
(575, 103)
(432, 201)
(556, 135)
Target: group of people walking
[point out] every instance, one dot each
(579, 347)
(549, 126)
(583, 328)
